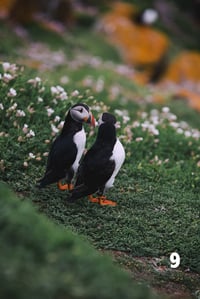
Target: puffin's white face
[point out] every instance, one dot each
(81, 114)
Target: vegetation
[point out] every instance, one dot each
(39, 259)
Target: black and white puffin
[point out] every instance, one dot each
(100, 164)
(67, 149)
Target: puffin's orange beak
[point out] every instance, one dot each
(91, 120)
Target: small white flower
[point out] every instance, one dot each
(63, 96)
(138, 139)
(13, 107)
(60, 125)
(1, 106)
(31, 156)
(54, 90)
(165, 109)
(125, 119)
(12, 93)
(25, 164)
(60, 89)
(187, 134)
(56, 119)
(40, 100)
(75, 93)
(20, 113)
(31, 133)
(6, 66)
(54, 129)
(35, 82)
(7, 77)
(25, 128)
(179, 131)
(50, 111)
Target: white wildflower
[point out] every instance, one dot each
(1, 106)
(54, 90)
(56, 119)
(31, 156)
(138, 139)
(6, 66)
(40, 100)
(126, 119)
(31, 133)
(60, 89)
(75, 93)
(54, 129)
(12, 93)
(50, 111)
(35, 82)
(179, 131)
(60, 125)
(165, 110)
(20, 113)
(25, 164)
(7, 77)
(13, 107)
(187, 133)
(25, 128)
(63, 96)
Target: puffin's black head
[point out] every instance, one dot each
(107, 118)
(81, 113)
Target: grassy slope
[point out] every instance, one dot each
(158, 205)
(42, 260)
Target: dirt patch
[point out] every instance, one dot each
(172, 283)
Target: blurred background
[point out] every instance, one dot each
(159, 39)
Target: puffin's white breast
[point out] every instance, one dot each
(118, 156)
(80, 140)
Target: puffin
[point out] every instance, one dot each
(100, 165)
(67, 149)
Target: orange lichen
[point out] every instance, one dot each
(140, 45)
(124, 9)
(185, 67)
(192, 98)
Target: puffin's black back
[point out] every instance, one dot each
(96, 167)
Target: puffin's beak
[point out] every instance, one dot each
(91, 120)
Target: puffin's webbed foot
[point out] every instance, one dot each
(102, 200)
(64, 186)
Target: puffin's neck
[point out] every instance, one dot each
(107, 134)
(71, 126)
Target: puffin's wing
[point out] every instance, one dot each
(61, 156)
(96, 168)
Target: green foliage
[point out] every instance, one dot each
(40, 260)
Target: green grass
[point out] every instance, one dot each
(41, 260)
(157, 189)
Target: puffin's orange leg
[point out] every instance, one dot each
(103, 201)
(64, 186)
(93, 199)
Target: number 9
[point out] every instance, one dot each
(175, 260)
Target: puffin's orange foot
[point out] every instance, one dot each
(93, 199)
(65, 186)
(103, 201)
